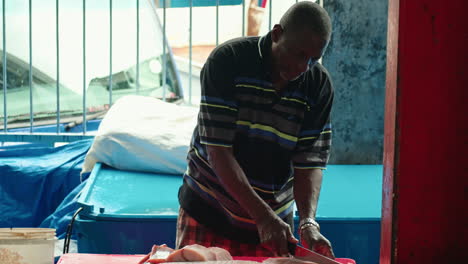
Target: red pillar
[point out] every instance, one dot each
(425, 192)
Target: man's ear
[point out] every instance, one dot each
(276, 32)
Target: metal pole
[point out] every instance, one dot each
(243, 17)
(57, 58)
(190, 53)
(269, 17)
(110, 53)
(5, 79)
(31, 115)
(164, 51)
(217, 22)
(138, 46)
(84, 66)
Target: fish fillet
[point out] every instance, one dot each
(286, 261)
(198, 254)
(190, 253)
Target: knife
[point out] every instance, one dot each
(302, 253)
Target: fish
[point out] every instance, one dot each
(190, 253)
(286, 260)
(158, 254)
(198, 254)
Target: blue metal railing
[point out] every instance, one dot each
(60, 135)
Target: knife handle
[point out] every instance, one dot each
(292, 248)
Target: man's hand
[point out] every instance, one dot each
(273, 231)
(307, 184)
(312, 239)
(275, 234)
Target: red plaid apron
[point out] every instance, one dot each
(191, 232)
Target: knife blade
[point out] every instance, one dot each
(303, 253)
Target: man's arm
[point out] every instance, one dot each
(307, 185)
(273, 231)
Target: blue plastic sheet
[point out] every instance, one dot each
(64, 213)
(35, 181)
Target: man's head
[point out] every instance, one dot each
(300, 39)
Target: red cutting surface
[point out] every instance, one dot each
(78, 258)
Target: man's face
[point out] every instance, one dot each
(294, 52)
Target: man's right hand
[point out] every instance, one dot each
(273, 231)
(275, 234)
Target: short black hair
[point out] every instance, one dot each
(307, 15)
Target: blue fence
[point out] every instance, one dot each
(87, 41)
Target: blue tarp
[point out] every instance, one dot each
(64, 213)
(38, 185)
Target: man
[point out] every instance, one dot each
(262, 139)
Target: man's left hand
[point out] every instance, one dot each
(312, 239)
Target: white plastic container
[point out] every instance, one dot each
(27, 245)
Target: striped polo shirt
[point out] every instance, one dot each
(271, 133)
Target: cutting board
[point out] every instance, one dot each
(78, 258)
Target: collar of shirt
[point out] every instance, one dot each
(264, 52)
